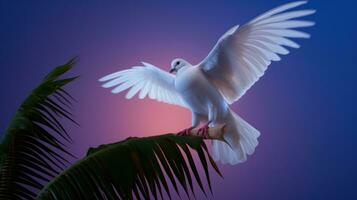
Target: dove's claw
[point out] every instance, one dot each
(203, 131)
(185, 131)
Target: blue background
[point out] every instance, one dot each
(304, 105)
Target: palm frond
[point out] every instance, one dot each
(134, 169)
(32, 150)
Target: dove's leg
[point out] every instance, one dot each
(195, 119)
(195, 122)
(212, 115)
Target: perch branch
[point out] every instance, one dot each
(214, 133)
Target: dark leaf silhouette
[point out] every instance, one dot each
(134, 169)
(33, 149)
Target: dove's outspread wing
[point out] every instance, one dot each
(146, 80)
(242, 54)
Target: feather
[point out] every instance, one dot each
(278, 10)
(144, 80)
(286, 16)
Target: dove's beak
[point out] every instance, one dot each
(172, 70)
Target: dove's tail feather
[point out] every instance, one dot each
(242, 139)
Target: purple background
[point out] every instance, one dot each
(304, 106)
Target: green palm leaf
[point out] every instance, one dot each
(134, 168)
(32, 150)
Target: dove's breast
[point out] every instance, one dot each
(197, 91)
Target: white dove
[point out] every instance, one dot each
(207, 89)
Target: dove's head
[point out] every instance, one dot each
(177, 64)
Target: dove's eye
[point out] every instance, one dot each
(178, 62)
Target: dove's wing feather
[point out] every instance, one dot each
(242, 54)
(146, 80)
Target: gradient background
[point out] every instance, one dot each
(304, 106)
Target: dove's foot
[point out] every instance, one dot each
(203, 131)
(185, 131)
